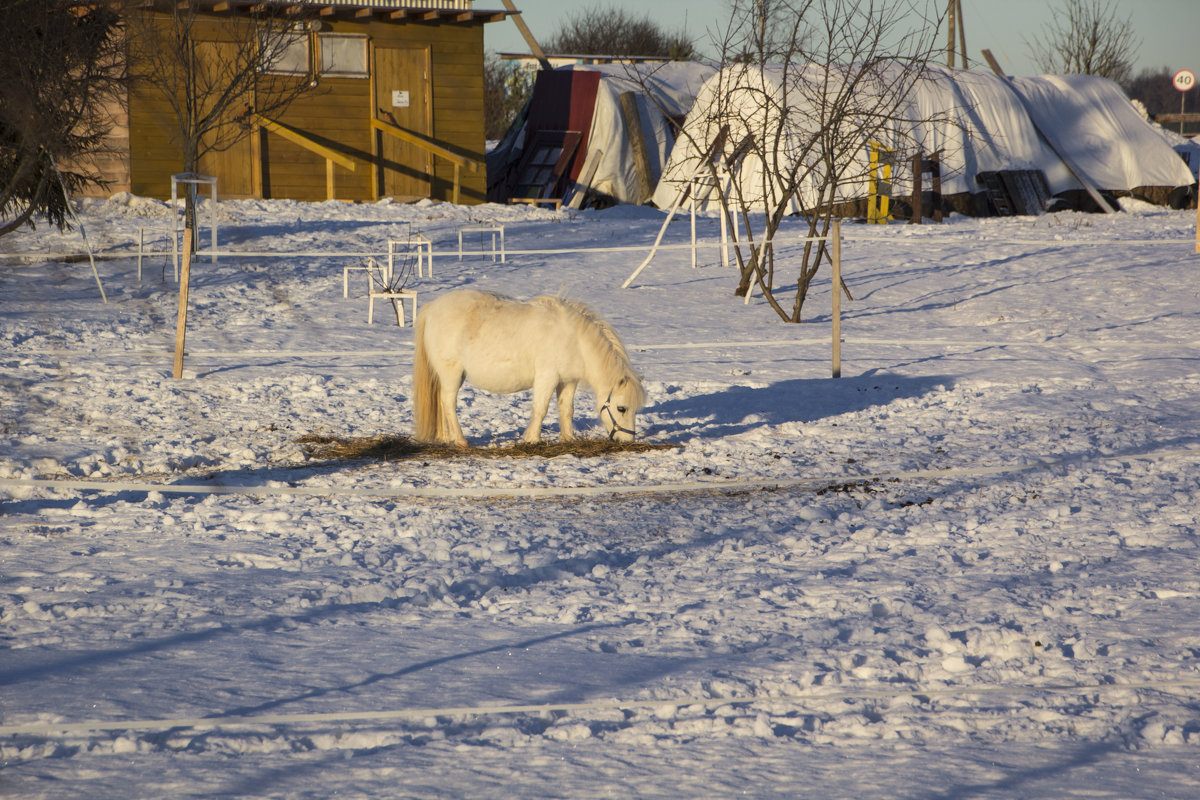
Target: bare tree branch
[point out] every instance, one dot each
(1086, 37)
(819, 80)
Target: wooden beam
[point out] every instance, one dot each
(527, 34)
(992, 62)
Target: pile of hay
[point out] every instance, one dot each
(398, 448)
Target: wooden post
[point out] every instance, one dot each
(951, 27)
(962, 32)
(837, 298)
(935, 184)
(181, 321)
(457, 181)
(329, 192)
(917, 178)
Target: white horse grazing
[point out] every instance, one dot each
(503, 345)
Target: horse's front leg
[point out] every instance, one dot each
(566, 411)
(542, 394)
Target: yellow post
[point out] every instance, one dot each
(879, 190)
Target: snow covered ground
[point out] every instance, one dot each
(966, 569)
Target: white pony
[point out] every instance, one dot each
(503, 345)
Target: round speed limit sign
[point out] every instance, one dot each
(1184, 80)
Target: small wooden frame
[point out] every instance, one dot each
(494, 230)
(370, 267)
(399, 296)
(424, 250)
(539, 201)
(142, 249)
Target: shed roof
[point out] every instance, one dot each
(360, 10)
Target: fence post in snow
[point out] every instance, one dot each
(837, 298)
(184, 279)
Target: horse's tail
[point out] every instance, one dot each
(427, 410)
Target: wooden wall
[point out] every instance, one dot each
(337, 115)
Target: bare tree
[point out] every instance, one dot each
(59, 68)
(216, 72)
(506, 90)
(786, 131)
(1087, 37)
(612, 32)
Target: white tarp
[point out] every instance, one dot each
(1093, 121)
(979, 121)
(662, 91)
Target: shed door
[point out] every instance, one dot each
(402, 97)
(233, 164)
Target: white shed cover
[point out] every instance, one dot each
(979, 121)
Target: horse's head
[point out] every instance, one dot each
(620, 407)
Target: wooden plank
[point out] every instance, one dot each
(637, 141)
(181, 316)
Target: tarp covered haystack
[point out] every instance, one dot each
(580, 116)
(1073, 129)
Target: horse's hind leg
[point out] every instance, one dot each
(566, 411)
(450, 430)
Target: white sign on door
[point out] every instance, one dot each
(400, 99)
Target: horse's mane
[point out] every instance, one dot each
(616, 361)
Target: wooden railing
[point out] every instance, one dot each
(411, 138)
(333, 157)
(295, 137)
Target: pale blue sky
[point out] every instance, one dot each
(1169, 30)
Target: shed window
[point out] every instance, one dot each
(344, 55)
(286, 56)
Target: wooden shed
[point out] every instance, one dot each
(395, 108)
